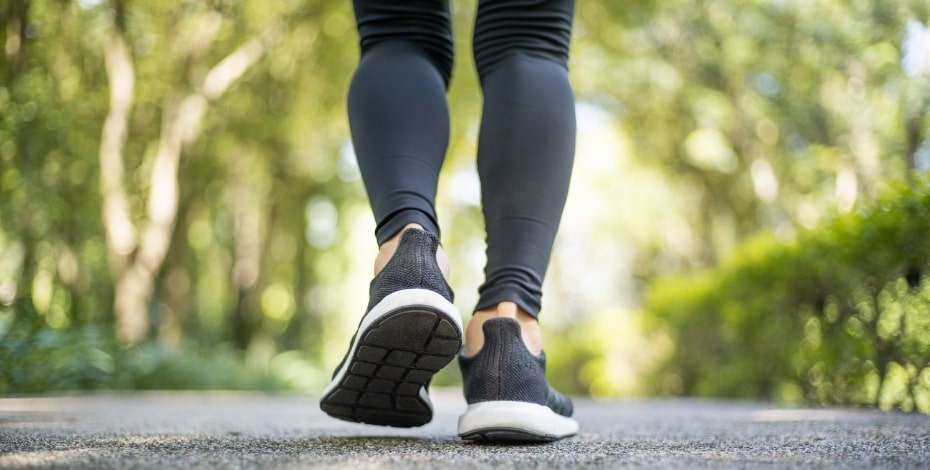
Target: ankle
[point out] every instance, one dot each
(529, 326)
(387, 249)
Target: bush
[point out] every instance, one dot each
(841, 314)
(36, 358)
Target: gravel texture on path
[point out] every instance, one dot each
(247, 430)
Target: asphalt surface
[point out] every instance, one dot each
(236, 430)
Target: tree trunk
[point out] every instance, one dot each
(137, 255)
(120, 231)
(15, 42)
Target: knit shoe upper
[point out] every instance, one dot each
(409, 332)
(413, 266)
(507, 392)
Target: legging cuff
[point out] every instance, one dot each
(396, 221)
(525, 300)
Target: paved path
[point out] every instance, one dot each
(231, 430)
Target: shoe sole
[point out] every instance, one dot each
(401, 343)
(514, 421)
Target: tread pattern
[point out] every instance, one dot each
(396, 356)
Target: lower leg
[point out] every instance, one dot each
(397, 108)
(526, 151)
(525, 154)
(400, 128)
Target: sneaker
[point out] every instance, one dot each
(509, 399)
(410, 331)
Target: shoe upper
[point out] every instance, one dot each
(505, 370)
(413, 266)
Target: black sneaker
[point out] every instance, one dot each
(509, 399)
(410, 331)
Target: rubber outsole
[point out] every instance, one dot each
(512, 421)
(393, 357)
(502, 435)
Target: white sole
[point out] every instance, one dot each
(347, 399)
(514, 421)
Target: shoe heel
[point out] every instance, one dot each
(509, 371)
(509, 398)
(411, 330)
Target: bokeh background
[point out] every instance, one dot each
(180, 205)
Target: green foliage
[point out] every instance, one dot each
(751, 108)
(841, 314)
(37, 358)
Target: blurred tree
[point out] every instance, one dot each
(180, 161)
(771, 111)
(136, 259)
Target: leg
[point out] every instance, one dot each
(397, 108)
(525, 152)
(400, 128)
(525, 155)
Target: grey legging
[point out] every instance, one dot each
(400, 126)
